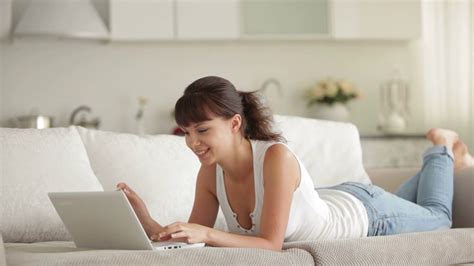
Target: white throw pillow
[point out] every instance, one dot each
(330, 151)
(35, 162)
(160, 168)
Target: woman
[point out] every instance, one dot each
(268, 197)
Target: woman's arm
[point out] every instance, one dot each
(206, 205)
(205, 208)
(281, 178)
(149, 225)
(195, 233)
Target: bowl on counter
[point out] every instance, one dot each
(32, 121)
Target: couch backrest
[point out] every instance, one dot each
(160, 168)
(330, 151)
(34, 162)
(163, 170)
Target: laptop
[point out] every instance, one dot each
(105, 220)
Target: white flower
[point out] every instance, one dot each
(331, 88)
(142, 100)
(317, 92)
(330, 91)
(346, 87)
(321, 84)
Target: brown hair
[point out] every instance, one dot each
(215, 95)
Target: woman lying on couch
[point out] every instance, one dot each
(268, 197)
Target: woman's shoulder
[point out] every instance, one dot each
(272, 152)
(266, 144)
(273, 149)
(279, 153)
(279, 164)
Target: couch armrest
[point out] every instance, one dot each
(463, 202)
(3, 260)
(390, 179)
(463, 208)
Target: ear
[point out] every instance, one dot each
(236, 123)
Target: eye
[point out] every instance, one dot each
(202, 130)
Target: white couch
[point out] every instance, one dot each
(162, 170)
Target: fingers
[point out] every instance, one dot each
(179, 235)
(125, 188)
(171, 229)
(157, 238)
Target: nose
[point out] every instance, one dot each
(192, 140)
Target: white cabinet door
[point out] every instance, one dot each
(285, 18)
(141, 19)
(376, 19)
(208, 19)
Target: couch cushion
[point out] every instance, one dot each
(445, 247)
(65, 253)
(331, 151)
(35, 162)
(161, 169)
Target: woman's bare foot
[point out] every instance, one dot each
(440, 136)
(462, 158)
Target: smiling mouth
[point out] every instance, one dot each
(201, 153)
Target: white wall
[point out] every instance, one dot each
(57, 76)
(5, 25)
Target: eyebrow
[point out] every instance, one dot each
(198, 124)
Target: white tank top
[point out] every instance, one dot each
(336, 214)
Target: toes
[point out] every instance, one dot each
(460, 147)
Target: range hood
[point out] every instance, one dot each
(61, 18)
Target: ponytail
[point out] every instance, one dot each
(258, 119)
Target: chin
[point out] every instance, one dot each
(207, 161)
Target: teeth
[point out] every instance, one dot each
(200, 152)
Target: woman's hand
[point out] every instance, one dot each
(185, 232)
(140, 208)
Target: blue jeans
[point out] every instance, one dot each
(423, 203)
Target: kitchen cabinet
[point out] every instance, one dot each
(332, 19)
(284, 18)
(208, 19)
(376, 19)
(141, 19)
(174, 19)
(265, 19)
